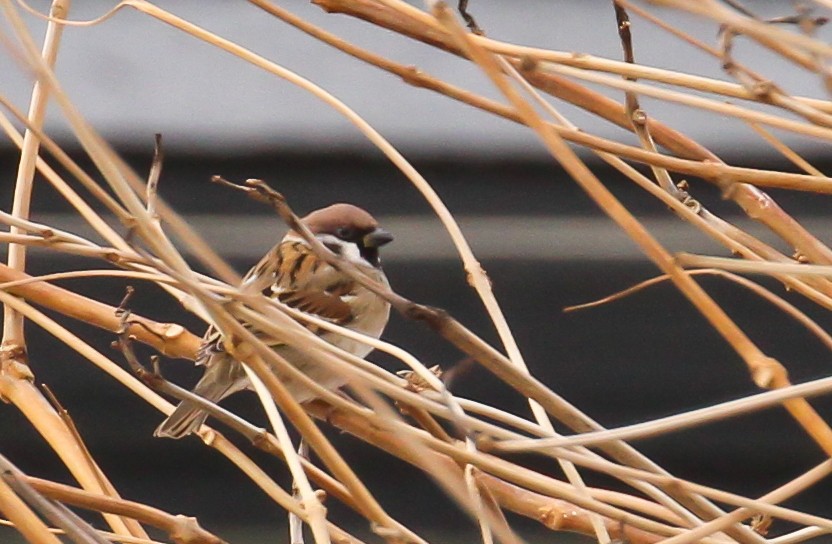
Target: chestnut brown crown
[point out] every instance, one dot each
(341, 224)
(340, 216)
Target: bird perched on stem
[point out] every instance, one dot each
(292, 273)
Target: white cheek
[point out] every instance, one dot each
(348, 250)
(351, 253)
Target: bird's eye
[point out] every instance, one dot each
(344, 233)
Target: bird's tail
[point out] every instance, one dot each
(187, 417)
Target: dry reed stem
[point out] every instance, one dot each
(638, 118)
(170, 339)
(559, 515)
(778, 495)
(13, 323)
(685, 420)
(785, 150)
(261, 479)
(111, 537)
(791, 310)
(794, 47)
(310, 502)
(181, 529)
(504, 471)
(24, 520)
(758, 267)
(696, 160)
(452, 330)
(476, 274)
(766, 372)
(684, 99)
(445, 326)
(416, 77)
(248, 467)
(257, 436)
(107, 313)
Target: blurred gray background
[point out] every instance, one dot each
(544, 244)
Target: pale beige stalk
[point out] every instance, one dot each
(12, 322)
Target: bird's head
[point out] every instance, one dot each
(349, 231)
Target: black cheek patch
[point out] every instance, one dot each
(370, 255)
(333, 247)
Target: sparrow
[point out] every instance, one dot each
(293, 274)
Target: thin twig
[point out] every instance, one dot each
(78, 530)
(180, 528)
(151, 193)
(790, 309)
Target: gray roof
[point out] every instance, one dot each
(133, 76)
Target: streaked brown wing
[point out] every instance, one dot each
(305, 282)
(324, 304)
(293, 274)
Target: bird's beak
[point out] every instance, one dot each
(377, 238)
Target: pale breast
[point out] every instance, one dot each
(372, 313)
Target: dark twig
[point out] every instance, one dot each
(469, 19)
(802, 18)
(638, 117)
(764, 90)
(737, 5)
(58, 515)
(153, 176)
